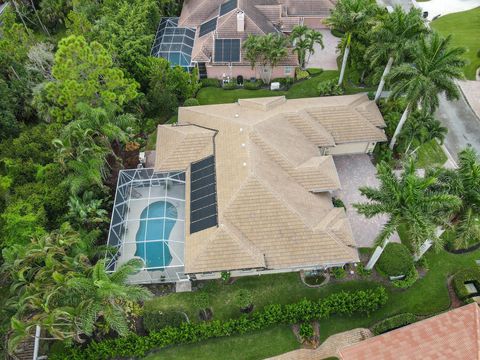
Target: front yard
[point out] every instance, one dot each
(427, 296)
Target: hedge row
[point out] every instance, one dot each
(463, 276)
(343, 303)
(393, 323)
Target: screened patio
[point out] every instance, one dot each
(148, 223)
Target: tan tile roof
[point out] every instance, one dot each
(453, 335)
(178, 146)
(267, 167)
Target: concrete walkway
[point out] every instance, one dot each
(462, 123)
(356, 171)
(329, 347)
(325, 58)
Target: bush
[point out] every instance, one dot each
(301, 74)
(156, 321)
(395, 260)
(362, 271)
(225, 275)
(338, 203)
(371, 95)
(306, 331)
(253, 85)
(232, 85)
(329, 88)
(463, 276)
(342, 303)
(243, 299)
(210, 83)
(393, 323)
(338, 272)
(408, 280)
(191, 102)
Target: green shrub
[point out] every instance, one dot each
(329, 88)
(342, 304)
(362, 271)
(338, 272)
(253, 85)
(225, 275)
(156, 321)
(232, 85)
(395, 260)
(371, 95)
(314, 71)
(338, 202)
(393, 323)
(285, 82)
(210, 82)
(301, 74)
(191, 102)
(422, 263)
(408, 280)
(306, 331)
(243, 298)
(463, 276)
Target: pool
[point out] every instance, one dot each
(157, 222)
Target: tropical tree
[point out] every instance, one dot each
(87, 210)
(252, 50)
(463, 182)
(393, 39)
(410, 204)
(349, 17)
(421, 128)
(435, 68)
(304, 40)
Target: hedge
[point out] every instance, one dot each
(395, 260)
(191, 102)
(253, 85)
(342, 303)
(463, 276)
(393, 322)
(210, 82)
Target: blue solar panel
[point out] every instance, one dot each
(203, 195)
(227, 50)
(208, 27)
(227, 7)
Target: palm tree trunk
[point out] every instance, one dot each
(17, 10)
(38, 18)
(376, 255)
(382, 80)
(344, 61)
(399, 126)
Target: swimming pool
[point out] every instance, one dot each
(157, 222)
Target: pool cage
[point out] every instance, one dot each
(148, 223)
(174, 43)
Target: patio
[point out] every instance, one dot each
(354, 172)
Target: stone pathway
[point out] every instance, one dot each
(329, 347)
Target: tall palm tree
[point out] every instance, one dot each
(348, 17)
(421, 128)
(313, 37)
(301, 48)
(252, 49)
(303, 40)
(434, 70)
(393, 40)
(409, 202)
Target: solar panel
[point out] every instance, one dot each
(227, 50)
(208, 27)
(203, 195)
(227, 7)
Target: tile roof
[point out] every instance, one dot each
(453, 335)
(267, 170)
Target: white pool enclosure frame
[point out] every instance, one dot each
(137, 189)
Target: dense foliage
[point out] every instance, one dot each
(465, 276)
(395, 260)
(393, 323)
(342, 303)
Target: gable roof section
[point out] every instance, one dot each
(453, 335)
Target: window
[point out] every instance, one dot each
(288, 70)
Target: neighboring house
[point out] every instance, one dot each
(210, 33)
(453, 335)
(244, 188)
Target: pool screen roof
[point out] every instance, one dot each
(174, 43)
(148, 221)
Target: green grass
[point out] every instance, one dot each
(152, 138)
(465, 28)
(430, 154)
(256, 345)
(213, 95)
(308, 88)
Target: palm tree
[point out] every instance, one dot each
(436, 67)
(394, 38)
(348, 17)
(421, 128)
(313, 37)
(409, 203)
(252, 49)
(301, 48)
(87, 210)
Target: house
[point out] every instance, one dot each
(210, 33)
(452, 335)
(244, 188)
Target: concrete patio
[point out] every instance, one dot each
(354, 172)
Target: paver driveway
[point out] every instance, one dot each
(325, 58)
(356, 171)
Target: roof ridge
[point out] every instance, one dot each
(304, 114)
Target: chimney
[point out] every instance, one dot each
(240, 21)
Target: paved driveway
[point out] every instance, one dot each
(356, 171)
(325, 58)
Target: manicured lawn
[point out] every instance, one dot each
(430, 155)
(257, 345)
(308, 88)
(465, 28)
(213, 95)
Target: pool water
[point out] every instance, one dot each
(156, 254)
